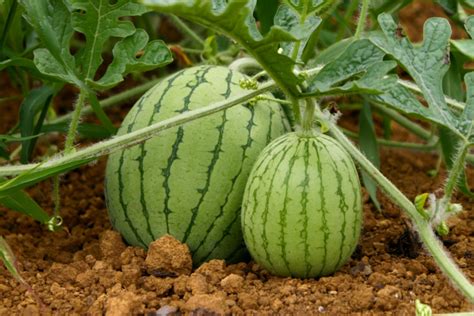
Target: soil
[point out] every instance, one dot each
(88, 269)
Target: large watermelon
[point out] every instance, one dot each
(301, 213)
(189, 180)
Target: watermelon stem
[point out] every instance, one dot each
(431, 242)
(127, 140)
(308, 118)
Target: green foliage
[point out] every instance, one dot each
(235, 19)
(466, 46)
(300, 21)
(359, 68)
(427, 64)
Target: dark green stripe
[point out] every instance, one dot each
(283, 210)
(268, 156)
(268, 193)
(141, 158)
(325, 228)
(226, 232)
(215, 157)
(245, 147)
(343, 206)
(304, 212)
(120, 180)
(166, 172)
(356, 192)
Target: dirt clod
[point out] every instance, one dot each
(168, 257)
(206, 304)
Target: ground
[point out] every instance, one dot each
(88, 269)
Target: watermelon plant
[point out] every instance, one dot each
(206, 152)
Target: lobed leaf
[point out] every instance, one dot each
(235, 19)
(300, 23)
(99, 20)
(358, 58)
(153, 54)
(427, 64)
(51, 21)
(466, 46)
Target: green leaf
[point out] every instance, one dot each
(427, 65)
(36, 101)
(9, 260)
(33, 176)
(266, 10)
(3, 151)
(99, 20)
(21, 202)
(301, 24)
(374, 81)
(369, 147)
(359, 58)
(235, 19)
(51, 21)
(155, 54)
(466, 46)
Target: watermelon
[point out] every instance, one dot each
(189, 180)
(301, 212)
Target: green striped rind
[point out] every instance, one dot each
(301, 212)
(189, 180)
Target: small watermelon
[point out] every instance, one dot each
(301, 213)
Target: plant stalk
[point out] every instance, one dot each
(118, 98)
(396, 144)
(362, 19)
(71, 134)
(436, 249)
(187, 30)
(124, 141)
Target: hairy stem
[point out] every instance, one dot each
(362, 19)
(124, 141)
(118, 98)
(435, 248)
(429, 239)
(76, 116)
(451, 183)
(396, 144)
(403, 121)
(187, 30)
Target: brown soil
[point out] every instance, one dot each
(87, 269)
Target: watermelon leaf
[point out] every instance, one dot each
(427, 64)
(235, 19)
(155, 53)
(358, 58)
(466, 46)
(301, 22)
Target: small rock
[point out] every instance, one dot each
(166, 310)
(111, 246)
(168, 257)
(206, 304)
(388, 298)
(248, 301)
(197, 284)
(124, 304)
(232, 283)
